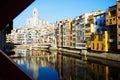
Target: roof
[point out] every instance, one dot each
(10, 9)
(100, 14)
(111, 8)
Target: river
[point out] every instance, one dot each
(46, 65)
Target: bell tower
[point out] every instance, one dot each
(35, 12)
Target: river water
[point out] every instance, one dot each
(45, 65)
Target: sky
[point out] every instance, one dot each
(57, 10)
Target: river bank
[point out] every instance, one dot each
(108, 56)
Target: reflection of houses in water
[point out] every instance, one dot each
(45, 55)
(39, 53)
(19, 61)
(20, 52)
(103, 71)
(60, 67)
(34, 63)
(98, 72)
(80, 69)
(70, 68)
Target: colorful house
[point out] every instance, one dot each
(99, 38)
(111, 23)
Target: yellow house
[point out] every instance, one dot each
(99, 42)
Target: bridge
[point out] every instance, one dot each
(40, 46)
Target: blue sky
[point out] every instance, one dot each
(56, 10)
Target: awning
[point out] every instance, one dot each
(9, 9)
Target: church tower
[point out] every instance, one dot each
(35, 21)
(35, 12)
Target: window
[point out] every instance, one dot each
(74, 44)
(64, 38)
(96, 23)
(70, 37)
(98, 17)
(107, 20)
(114, 19)
(110, 21)
(107, 14)
(63, 43)
(73, 39)
(81, 26)
(97, 30)
(118, 26)
(93, 46)
(87, 25)
(119, 17)
(102, 46)
(113, 13)
(102, 16)
(100, 23)
(97, 46)
(92, 37)
(87, 31)
(100, 37)
(118, 9)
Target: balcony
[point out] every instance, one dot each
(90, 18)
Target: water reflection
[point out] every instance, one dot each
(42, 67)
(70, 68)
(45, 65)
